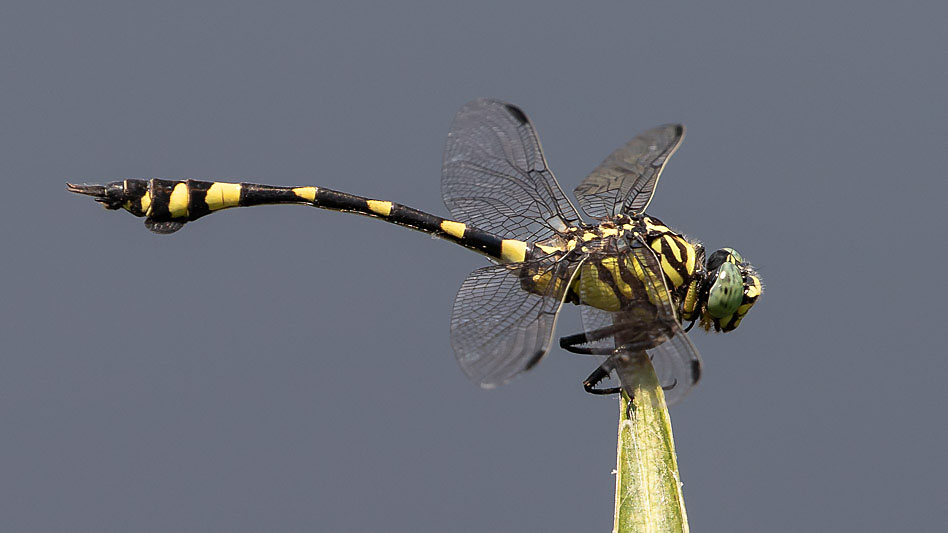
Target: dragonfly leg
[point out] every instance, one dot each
(572, 343)
(591, 383)
(643, 338)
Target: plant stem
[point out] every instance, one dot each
(648, 486)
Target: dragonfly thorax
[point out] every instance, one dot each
(617, 269)
(622, 256)
(610, 236)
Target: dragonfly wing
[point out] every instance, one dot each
(677, 365)
(674, 357)
(499, 329)
(646, 323)
(625, 181)
(495, 177)
(597, 320)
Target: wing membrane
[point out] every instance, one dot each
(675, 359)
(495, 178)
(498, 329)
(677, 365)
(597, 320)
(647, 323)
(625, 181)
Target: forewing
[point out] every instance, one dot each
(495, 177)
(625, 181)
(498, 329)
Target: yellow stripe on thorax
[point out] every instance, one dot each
(222, 195)
(178, 201)
(680, 247)
(673, 245)
(612, 265)
(690, 258)
(673, 275)
(593, 291)
(648, 278)
(661, 228)
(380, 207)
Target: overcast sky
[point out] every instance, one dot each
(285, 368)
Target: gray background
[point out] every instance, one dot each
(290, 369)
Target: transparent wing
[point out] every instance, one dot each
(646, 323)
(677, 365)
(597, 320)
(495, 177)
(626, 364)
(625, 181)
(498, 328)
(674, 357)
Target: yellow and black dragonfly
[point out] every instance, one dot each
(636, 280)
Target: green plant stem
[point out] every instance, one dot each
(648, 486)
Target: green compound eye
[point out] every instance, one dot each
(738, 257)
(724, 255)
(727, 291)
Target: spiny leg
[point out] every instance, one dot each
(601, 373)
(572, 344)
(640, 340)
(598, 375)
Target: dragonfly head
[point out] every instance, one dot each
(126, 194)
(733, 287)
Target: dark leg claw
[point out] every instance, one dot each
(591, 383)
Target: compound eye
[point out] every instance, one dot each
(727, 291)
(724, 255)
(738, 258)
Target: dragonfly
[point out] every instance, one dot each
(636, 281)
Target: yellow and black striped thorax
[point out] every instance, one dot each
(681, 260)
(613, 277)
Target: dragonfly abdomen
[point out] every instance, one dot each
(168, 204)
